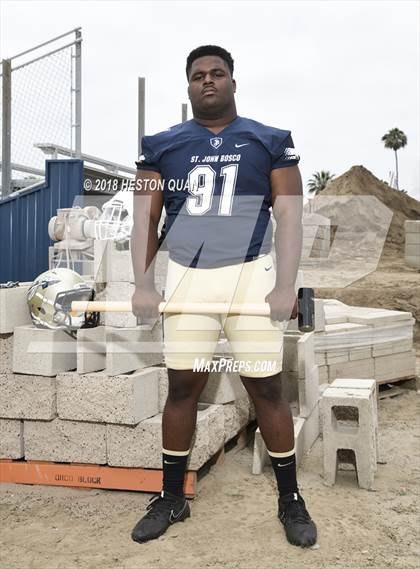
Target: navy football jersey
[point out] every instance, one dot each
(216, 188)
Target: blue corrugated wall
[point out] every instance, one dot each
(24, 218)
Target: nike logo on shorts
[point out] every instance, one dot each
(268, 268)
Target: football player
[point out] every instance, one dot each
(221, 175)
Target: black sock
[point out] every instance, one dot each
(285, 470)
(174, 467)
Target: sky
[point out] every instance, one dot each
(338, 74)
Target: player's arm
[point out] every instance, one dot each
(147, 209)
(287, 203)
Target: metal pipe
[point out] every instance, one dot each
(184, 112)
(45, 43)
(46, 55)
(6, 153)
(78, 89)
(141, 112)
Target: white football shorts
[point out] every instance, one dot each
(256, 341)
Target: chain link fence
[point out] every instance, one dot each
(40, 104)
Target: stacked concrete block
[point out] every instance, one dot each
(358, 436)
(96, 397)
(118, 350)
(14, 309)
(261, 457)
(300, 373)
(122, 291)
(412, 243)
(161, 270)
(398, 365)
(163, 386)
(45, 352)
(11, 438)
(236, 416)
(65, 441)
(27, 397)
(6, 353)
(356, 338)
(91, 349)
(356, 369)
(223, 388)
(129, 349)
(141, 445)
(300, 385)
(112, 262)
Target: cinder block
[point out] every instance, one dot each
(65, 441)
(412, 249)
(118, 291)
(129, 349)
(289, 386)
(321, 358)
(161, 269)
(394, 366)
(111, 263)
(261, 457)
(413, 261)
(311, 429)
(91, 349)
(337, 356)
(360, 354)
(357, 368)
(348, 383)
(141, 445)
(377, 316)
(412, 239)
(27, 397)
(236, 417)
(96, 397)
(39, 351)
(222, 388)
(6, 353)
(382, 349)
(308, 392)
(412, 226)
(163, 386)
(298, 352)
(358, 436)
(11, 438)
(209, 435)
(323, 374)
(14, 310)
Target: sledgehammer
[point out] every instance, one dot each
(305, 308)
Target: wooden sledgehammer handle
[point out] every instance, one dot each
(174, 307)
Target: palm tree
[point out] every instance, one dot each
(319, 181)
(395, 139)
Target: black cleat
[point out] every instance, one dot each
(298, 525)
(164, 510)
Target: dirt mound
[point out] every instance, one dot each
(359, 181)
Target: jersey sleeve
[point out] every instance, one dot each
(283, 153)
(149, 158)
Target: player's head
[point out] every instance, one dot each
(211, 87)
